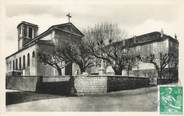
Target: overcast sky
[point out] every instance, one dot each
(135, 18)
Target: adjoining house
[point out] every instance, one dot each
(26, 62)
(163, 47)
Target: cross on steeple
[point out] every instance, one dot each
(69, 16)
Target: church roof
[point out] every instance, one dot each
(60, 27)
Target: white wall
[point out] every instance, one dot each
(29, 70)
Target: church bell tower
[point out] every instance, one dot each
(26, 32)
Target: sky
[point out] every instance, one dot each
(135, 18)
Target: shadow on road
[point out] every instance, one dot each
(25, 96)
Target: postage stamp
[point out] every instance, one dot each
(171, 100)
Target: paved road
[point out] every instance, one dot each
(143, 99)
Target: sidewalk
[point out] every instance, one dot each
(11, 90)
(135, 91)
(143, 99)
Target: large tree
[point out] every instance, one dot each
(161, 62)
(105, 43)
(78, 53)
(53, 59)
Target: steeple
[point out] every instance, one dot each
(26, 32)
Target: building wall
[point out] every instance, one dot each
(27, 69)
(45, 69)
(49, 36)
(151, 48)
(59, 39)
(173, 49)
(146, 69)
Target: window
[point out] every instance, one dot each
(28, 60)
(13, 65)
(16, 63)
(24, 31)
(123, 42)
(30, 32)
(19, 31)
(33, 54)
(24, 62)
(20, 63)
(10, 65)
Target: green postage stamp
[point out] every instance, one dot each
(171, 100)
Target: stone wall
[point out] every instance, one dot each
(85, 85)
(24, 83)
(116, 83)
(55, 78)
(46, 84)
(76, 85)
(54, 85)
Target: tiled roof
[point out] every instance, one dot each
(145, 39)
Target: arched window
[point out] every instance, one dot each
(10, 65)
(30, 32)
(28, 60)
(16, 63)
(20, 64)
(24, 65)
(33, 54)
(24, 30)
(13, 65)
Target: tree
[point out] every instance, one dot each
(105, 43)
(68, 52)
(161, 61)
(53, 59)
(78, 53)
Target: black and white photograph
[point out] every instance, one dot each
(91, 56)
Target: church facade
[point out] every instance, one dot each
(26, 62)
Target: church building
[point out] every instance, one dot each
(26, 62)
